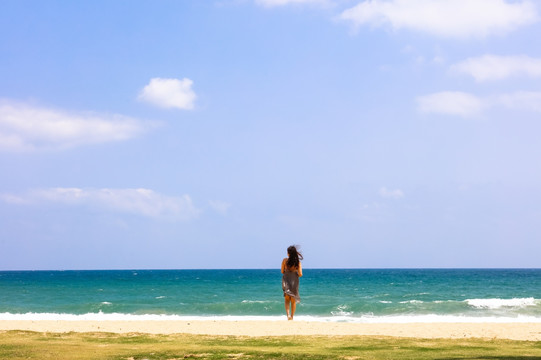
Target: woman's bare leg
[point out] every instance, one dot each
(293, 307)
(287, 303)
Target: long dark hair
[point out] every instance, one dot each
(293, 257)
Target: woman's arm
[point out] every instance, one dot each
(299, 270)
(283, 265)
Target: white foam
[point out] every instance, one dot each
(364, 319)
(100, 316)
(341, 311)
(412, 302)
(493, 304)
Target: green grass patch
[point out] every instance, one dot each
(15, 345)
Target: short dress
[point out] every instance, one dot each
(290, 284)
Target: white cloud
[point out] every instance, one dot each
(26, 127)
(438, 59)
(492, 67)
(169, 93)
(274, 3)
(372, 213)
(452, 103)
(468, 105)
(142, 202)
(220, 206)
(12, 199)
(391, 194)
(522, 100)
(445, 18)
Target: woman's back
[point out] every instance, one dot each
(296, 269)
(292, 270)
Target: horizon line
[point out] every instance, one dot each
(277, 269)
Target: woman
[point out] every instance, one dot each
(292, 270)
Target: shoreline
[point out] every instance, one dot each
(261, 328)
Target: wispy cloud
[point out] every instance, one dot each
(275, 3)
(445, 18)
(25, 127)
(391, 193)
(142, 202)
(169, 93)
(493, 67)
(452, 103)
(219, 206)
(372, 213)
(522, 100)
(469, 105)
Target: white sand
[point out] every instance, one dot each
(514, 331)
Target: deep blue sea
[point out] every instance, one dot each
(349, 295)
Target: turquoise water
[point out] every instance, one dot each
(356, 295)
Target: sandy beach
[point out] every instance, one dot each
(513, 331)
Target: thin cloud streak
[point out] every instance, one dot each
(444, 18)
(391, 193)
(219, 206)
(451, 103)
(276, 3)
(493, 67)
(469, 105)
(522, 100)
(25, 127)
(143, 202)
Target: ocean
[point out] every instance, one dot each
(340, 295)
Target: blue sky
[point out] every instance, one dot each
(213, 134)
